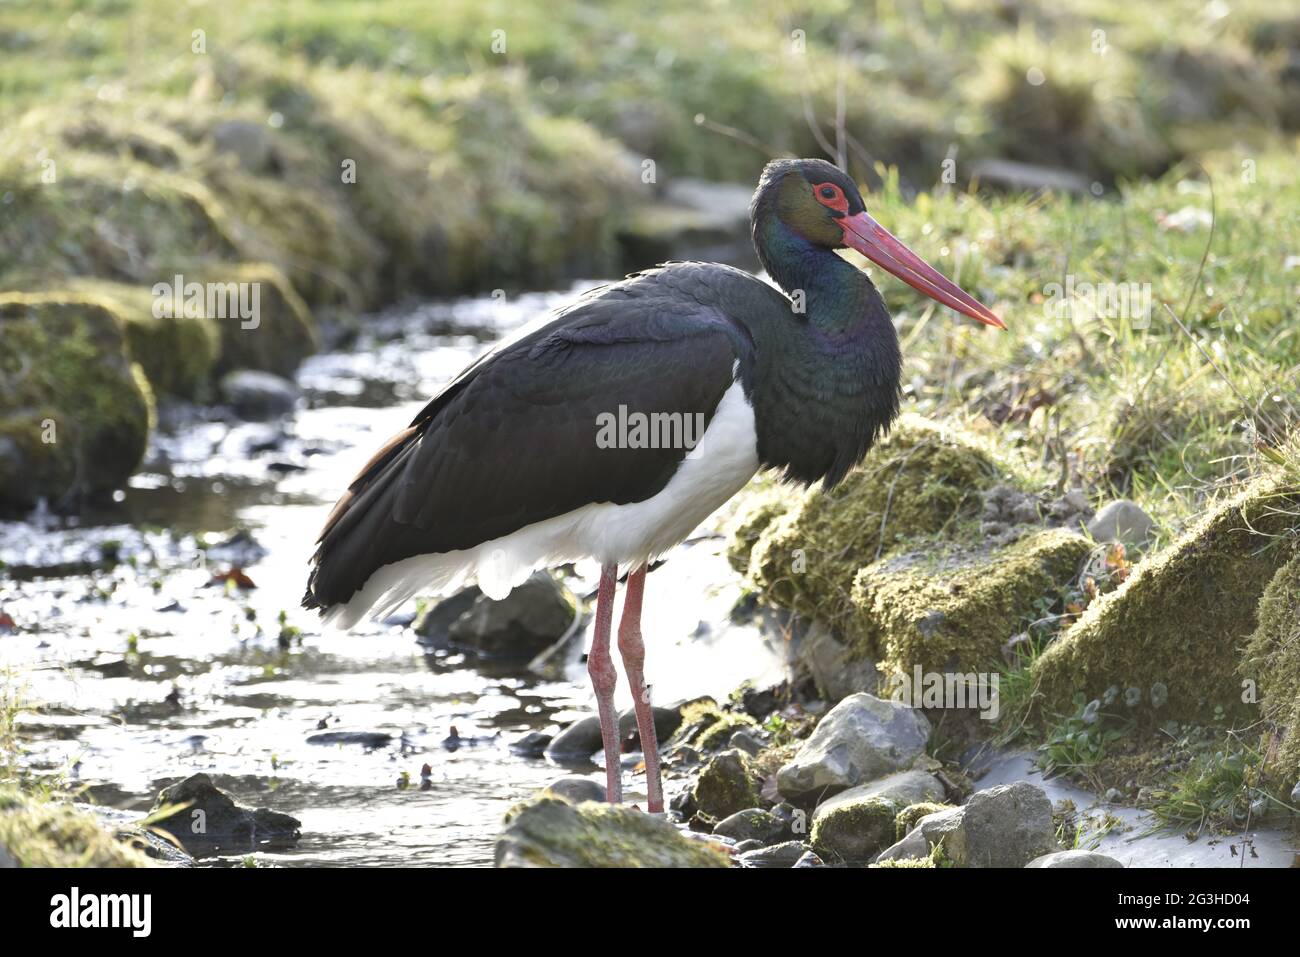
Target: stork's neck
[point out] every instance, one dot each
(837, 299)
(828, 377)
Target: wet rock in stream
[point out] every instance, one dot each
(370, 740)
(210, 821)
(580, 740)
(258, 395)
(535, 615)
(786, 854)
(575, 790)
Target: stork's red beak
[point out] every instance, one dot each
(874, 241)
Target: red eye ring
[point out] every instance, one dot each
(831, 196)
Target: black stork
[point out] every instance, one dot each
(505, 470)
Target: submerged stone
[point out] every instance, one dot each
(549, 832)
(208, 820)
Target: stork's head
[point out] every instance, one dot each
(819, 202)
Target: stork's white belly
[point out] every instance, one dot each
(627, 535)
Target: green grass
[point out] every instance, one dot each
(1221, 789)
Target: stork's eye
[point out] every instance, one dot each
(831, 196)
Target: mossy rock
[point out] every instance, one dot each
(75, 411)
(1182, 619)
(1273, 658)
(726, 784)
(923, 479)
(854, 832)
(280, 333)
(909, 816)
(179, 354)
(707, 727)
(38, 832)
(951, 608)
(550, 832)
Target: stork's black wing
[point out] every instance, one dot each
(513, 439)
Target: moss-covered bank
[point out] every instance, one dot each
(1182, 620)
(75, 410)
(803, 549)
(894, 558)
(1273, 658)
(36, 832)
(951, 609)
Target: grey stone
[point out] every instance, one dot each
(746, 742)
(862, 738)
(576, 790)
(1076, 858)
(903, 788)
(581, 739)
(1122, 521)
(834, 670)
(254, 394)
(250, 143)
(752, 824)
(786, 854)
(369, 740)
(532, 617)
(1004, 826)
(433, 627)
(212, 821)
(746, 846)
(810, 859)
(531, 745)
(913, 846)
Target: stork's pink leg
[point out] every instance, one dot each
(632, 649)
(603, 678)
